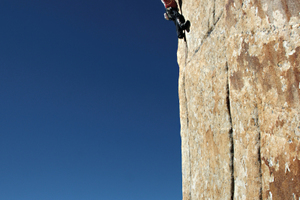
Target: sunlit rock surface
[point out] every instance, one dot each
(239, 97)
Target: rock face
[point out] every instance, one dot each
(239, 97)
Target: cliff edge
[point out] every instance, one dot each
(239, 95)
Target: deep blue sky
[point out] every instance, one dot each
(88, 99)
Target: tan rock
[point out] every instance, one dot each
(239, 99)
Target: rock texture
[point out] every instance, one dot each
(239, 97)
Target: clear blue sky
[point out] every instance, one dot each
(89, 101)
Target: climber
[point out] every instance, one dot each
(173, 14)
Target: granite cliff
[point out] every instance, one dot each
(239, 95)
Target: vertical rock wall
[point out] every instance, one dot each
(239, 97)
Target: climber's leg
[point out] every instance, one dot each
(179, 30)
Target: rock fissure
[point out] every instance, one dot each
(230, 135)
(259, 151)
(208, 32)
(211, 27)
(214, 11)
(257, 125)
(189, 137)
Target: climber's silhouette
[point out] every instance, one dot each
(173, 14)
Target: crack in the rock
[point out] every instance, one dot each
(214, 12)
(183, 84)
(259, 161)
(259, 149)
(188, 135)
(256, 121)
(230, 135)
(209, 31)
(211, 28)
